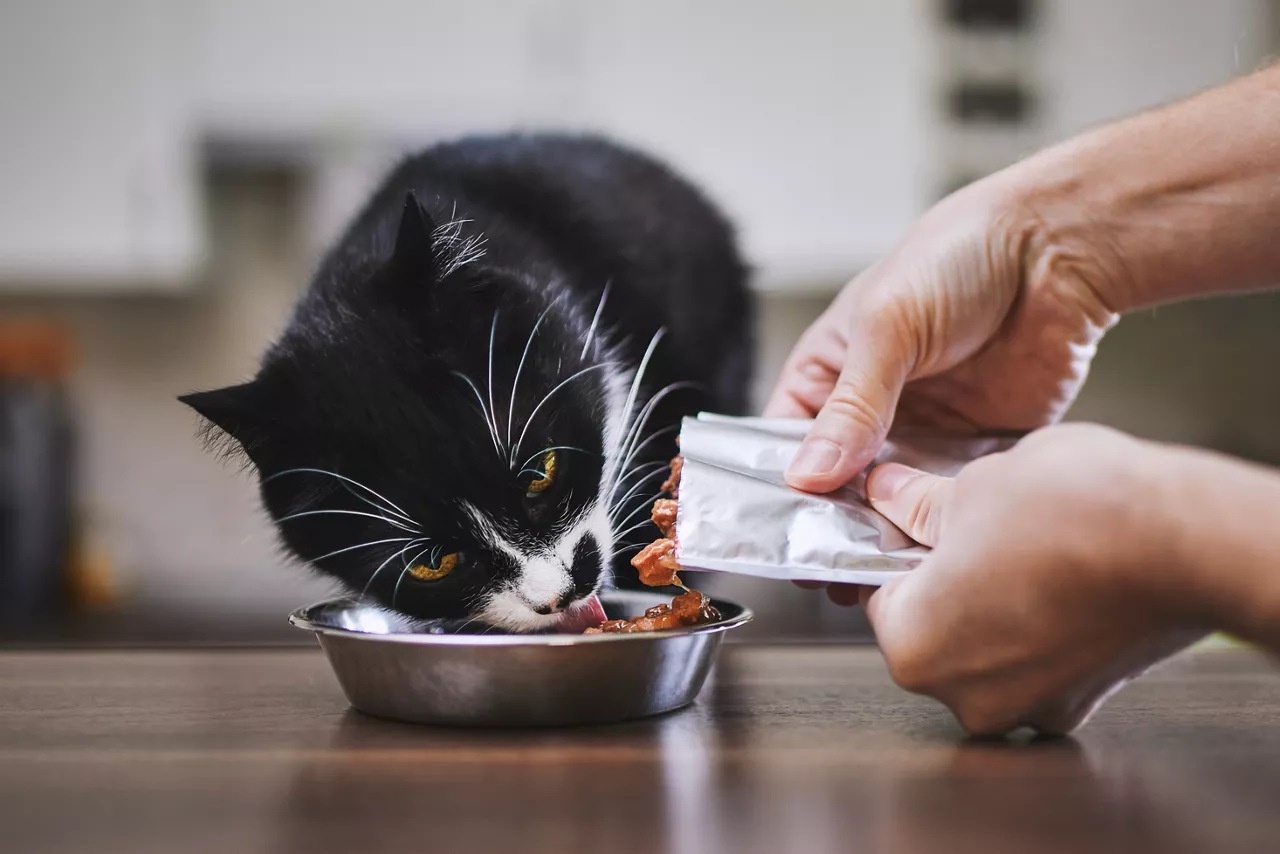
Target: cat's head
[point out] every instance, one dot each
(436, 432)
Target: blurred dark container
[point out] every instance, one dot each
(36, 449)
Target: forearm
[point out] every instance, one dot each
(1225, 541)
(1178, 202)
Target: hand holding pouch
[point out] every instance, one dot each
(736, 513)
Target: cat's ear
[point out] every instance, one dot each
(414, 257)
(241, 413)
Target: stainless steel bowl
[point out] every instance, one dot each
(391, 667)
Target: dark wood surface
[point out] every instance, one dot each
(789, 748)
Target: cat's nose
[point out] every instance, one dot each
(554, 606)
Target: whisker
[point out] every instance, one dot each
(553, 448)
(633, 529)
(629, 410)
(488, 422)
(656, 434)
(515, 453)
(516, 382)
(377, 506)
(647, 412)
(361, 546)
(293, 516)
(409, 564)
(364, 592)
(595, 319)
(459, 629)
(637, 470)
(493, 330)
(645, 505)
(631, 492)
(346, 479)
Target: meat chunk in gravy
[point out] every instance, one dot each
(688, 609)
(657, 566)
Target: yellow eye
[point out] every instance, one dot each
(546, 477)
(443, 566)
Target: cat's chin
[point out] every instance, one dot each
(514, 616)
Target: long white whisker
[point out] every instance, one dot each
(488, 422)
(595, 319)
(493, 330)
(376, 506)
(389, 502)
(516, 382)
(361, 546)
(516, 452)
(637, 470)
(293, 516)
(643, 506)
(628, 452)
(533, 457)
(656, 434)
(629, 410)
(621, 505)
(633, 529)
(365, 591)
(409, 564)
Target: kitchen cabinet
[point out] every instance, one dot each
(98, 157)
(819, 126)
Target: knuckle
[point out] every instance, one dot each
(910, 671)
(981, 716)
(922, 520)
(845, 403)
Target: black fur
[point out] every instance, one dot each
(367, 380)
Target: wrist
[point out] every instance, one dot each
(1069, 253)
(1162, 206)
(1225, 546)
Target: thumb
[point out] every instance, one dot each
(911, 499)
(855, 419)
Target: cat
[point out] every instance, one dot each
(472, 405)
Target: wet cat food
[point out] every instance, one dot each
(657, 566)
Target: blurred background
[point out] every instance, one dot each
(169, 170)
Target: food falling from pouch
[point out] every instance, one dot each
(657, 566)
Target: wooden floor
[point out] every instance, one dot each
(806, 748)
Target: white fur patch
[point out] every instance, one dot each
(544, 575)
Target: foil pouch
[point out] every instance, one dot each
(736, 513)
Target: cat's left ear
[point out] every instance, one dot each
(243, 412)
(414, 255)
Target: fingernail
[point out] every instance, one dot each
(816, 457)
(884, 482)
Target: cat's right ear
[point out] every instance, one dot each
(413, 258)
(240, 413)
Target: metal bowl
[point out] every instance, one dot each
(429, 672)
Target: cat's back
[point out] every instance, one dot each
(595, 213)
(577, 192)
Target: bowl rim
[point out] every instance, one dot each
(300, 619)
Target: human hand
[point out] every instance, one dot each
(1053, 579)
(974, 322)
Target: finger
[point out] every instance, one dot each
(911, 499)
(844, 595)
(855, 418)
(784, 404)
(810, 372)
(865, 594)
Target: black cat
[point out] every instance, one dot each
(472, 406)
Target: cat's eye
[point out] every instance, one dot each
(436, 567)
(544, 476)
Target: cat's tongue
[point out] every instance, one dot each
(587, 614)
